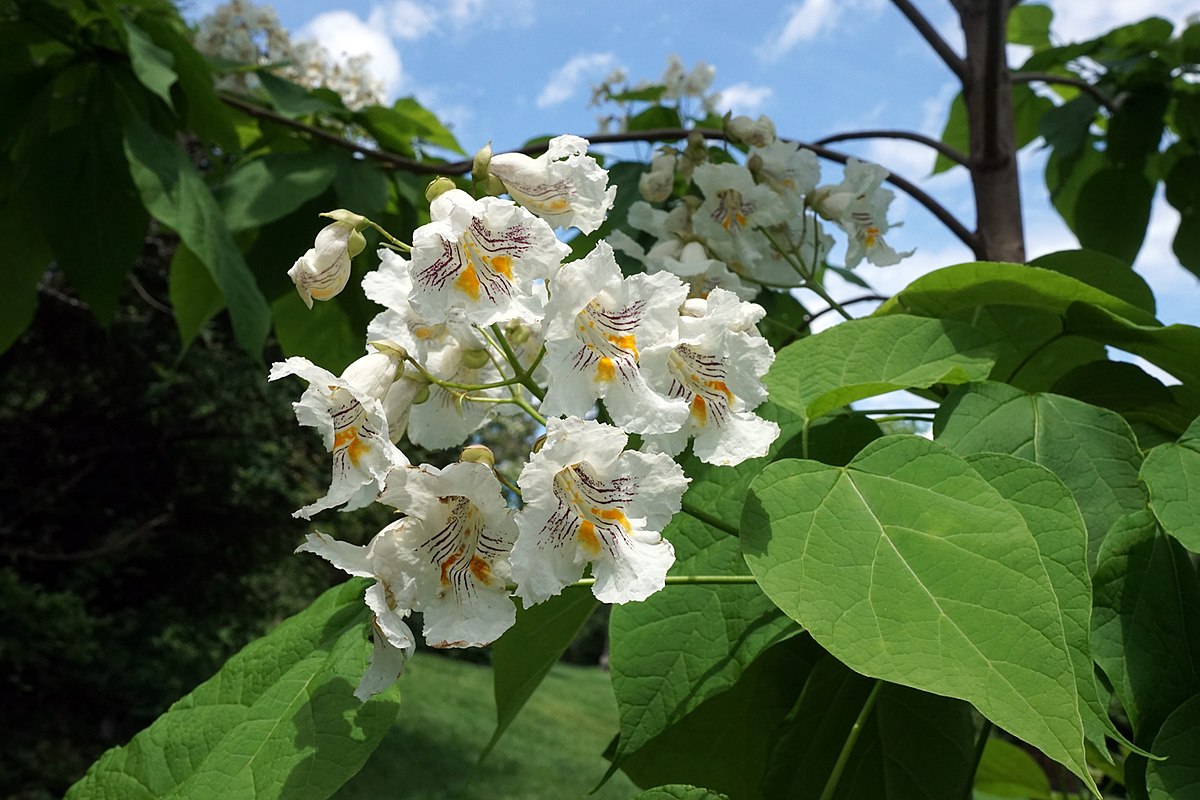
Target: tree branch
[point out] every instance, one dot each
(949, 152)
(415, 167)
(932, 37)
(1064, 80)
(994, 56)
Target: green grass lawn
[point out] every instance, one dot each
(551, 752)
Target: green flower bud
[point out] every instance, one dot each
(474, 359)
(478, 454)
(438, 187)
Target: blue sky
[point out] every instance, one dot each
(507, 70)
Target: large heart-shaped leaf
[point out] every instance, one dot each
(909, 565)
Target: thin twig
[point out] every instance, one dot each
(957, 156)
(940, 46)
(864, 299)
(1065, 80)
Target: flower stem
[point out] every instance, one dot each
(851, 740)
(392, 239)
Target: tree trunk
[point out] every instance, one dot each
(987, 92)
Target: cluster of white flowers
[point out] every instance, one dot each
(243, 33)
(678, 84)
(484, 316)
(758, 224)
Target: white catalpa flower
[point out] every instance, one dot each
(349, 413)
(451, 552)
(449, 350)
(757, 132)
(689, 262)
(564, 186)
(489, 257)
(393, 640)
(588, 500)
(322, 272)
(717, 367)
(734, 210)
(859, 206)
(596, 322)
(791, 171)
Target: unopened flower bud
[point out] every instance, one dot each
(656, 187)
(438, 187)
(478, 454)
(758, 133)
(421, 396)
(517, 332)
(474, 359)
(322, 272)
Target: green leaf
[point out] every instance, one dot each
(912, 745)
(393, 131)
(177, 196)
(1146, 622)
(981, 283)
(292, 100)
(324, 334)
(1128, 390)
(1030, 24)
(679, 791)
(1091, 449)
(1177, 777)
(203, 111)
(954, 134)
(1172, 347)
(429, 128)
(523, 656)
(1104, 272)
(724, 743)
(1024, 485)
(1008, 771)
(646, 94)
(194, 296)
(885, 562)
(677, 648)
(99, 223)
(26, 258)
(1113, 211)
(154, 66)
(271, 187)
(1183, 193)
(360, 187)
(1034, 349)
(279, 720)
(871, 356)
(655, 117)
(786, 319)
(1172, 476)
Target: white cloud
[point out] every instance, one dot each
(566, 79)
(410, 20)
(1075, 20)
(743, 98)
(413, 19)
(344, 35)
(808, 20)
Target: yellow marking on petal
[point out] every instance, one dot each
(481, 570)
(872, 236)
(626, 342)
(720, 387)
(613, 515)
(468, 283)
(503, 265)
(559, 205)
(699, 410)
(355, 447)
(606, 370)
(587, 538)
(448, 564)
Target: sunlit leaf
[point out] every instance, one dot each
(279, 720)
(910, 566)
(871, 356)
